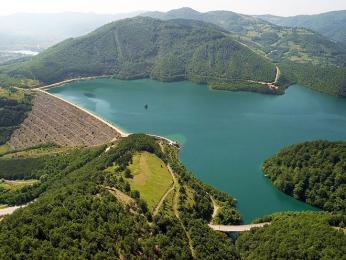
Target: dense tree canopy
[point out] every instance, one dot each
(327, 79)
(145, 47)
(296, 235)
(314, 172)
(12, 111)
(76, 216)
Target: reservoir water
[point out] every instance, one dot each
(225, 136)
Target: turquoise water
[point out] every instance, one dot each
(225, 136)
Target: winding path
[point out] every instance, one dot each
(176, 212)
(278, 74)
(10, 210)
(175, 205)
(158, 206)
(216, 208)
(231, 228)
(271, 85)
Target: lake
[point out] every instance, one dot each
(225, 136)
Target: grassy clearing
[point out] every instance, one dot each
(190, 196)
(111, 169)
(150, 177)
(16, 185)
(2, 206)
(4, 148)
(16, 94)
(37, 152)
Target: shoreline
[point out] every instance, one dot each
(122, 132)
(116, 128)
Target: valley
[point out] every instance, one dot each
(175, 134)
(197, 117)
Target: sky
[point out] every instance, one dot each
(275, 7)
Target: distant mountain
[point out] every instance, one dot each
(145, 47)
(224, 49)
(303, 56)
(276, 42)
(331, 24)
(39, 31)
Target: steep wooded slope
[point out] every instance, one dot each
(330, 24)
(314, 172)
(75, 214)
(145, 47)
(277, 42)
(304, 56)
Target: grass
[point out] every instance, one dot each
(190, 196)
(18, 95)
(150, 177)
(37, 152)
(4, 148)
(2, 206)
(111, 169)
(16, 185)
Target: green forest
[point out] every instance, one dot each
(245, 48)
(83, 202)
(327, 79)
(14, 105)
(76, 216)
(314, 172)
(145, 47)
(304, 56)
(296, 235)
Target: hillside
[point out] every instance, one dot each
(93, 203)
(296, 235)
(240, 56)
(87, 207)
(277, 42)
(14, 107)
(145, 47)
(307, 57)
(330, 24)
(314, 172)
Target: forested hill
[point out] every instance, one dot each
(306, 57)
(89, 204)
(145, 47)
(277, 42)
(330, 24)
(296, 235)
(314, 172)
(241, 55)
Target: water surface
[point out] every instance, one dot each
(225, 135)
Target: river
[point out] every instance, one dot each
(225, 136)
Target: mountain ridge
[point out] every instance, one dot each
(330, 24)
(144, 47)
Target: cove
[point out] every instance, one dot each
(225, 136)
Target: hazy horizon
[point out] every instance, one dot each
(109, 7)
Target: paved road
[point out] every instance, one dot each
(237, 228)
